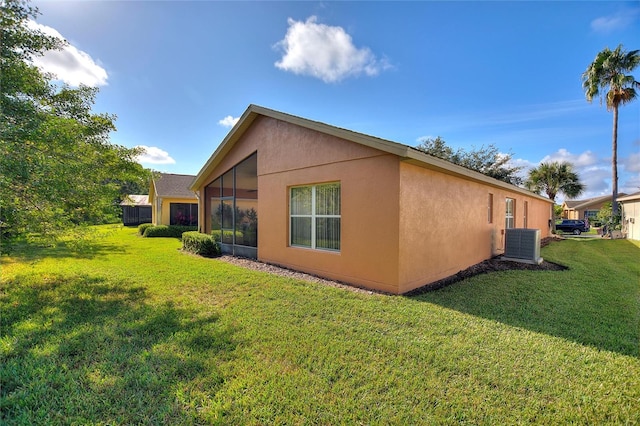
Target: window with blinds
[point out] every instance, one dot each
(509, 214)
(315, 216)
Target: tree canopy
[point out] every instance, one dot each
(486, 160)
(554, 178)
(605, 215)
(608, 78)
(58, 168)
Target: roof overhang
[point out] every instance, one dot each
(630, 197)
(406, 153)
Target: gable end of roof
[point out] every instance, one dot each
(404, 152)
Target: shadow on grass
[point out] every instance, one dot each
(31, 252)
(84, 349)
(596, 302)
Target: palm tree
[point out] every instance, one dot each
(553, 178)
(606, 78)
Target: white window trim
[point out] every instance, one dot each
(510, 214)
(313, 217)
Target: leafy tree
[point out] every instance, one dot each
(606, 78)
(488, 161)
(605, 215)
(134, 186)
(553, 178)
(557, 211)
(438, 148)
(58, 168)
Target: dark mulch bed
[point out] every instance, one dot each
(491, 265)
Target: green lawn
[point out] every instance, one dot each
(135, 332)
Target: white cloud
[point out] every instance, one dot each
(70, 65)
(632, 163)
(631, 185)
(617, 21)
(594, 172)
(579, 161)
(630, 179)
(325, 52)
(154, 155)
(525, 166)
(596, 179)
(228, 121)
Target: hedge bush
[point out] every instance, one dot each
(143, 226)
(201, 244)
(174, 231)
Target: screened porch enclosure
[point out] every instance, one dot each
(234, 208)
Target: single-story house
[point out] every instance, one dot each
(352, 207)
(585, 209)
(631, 215)
(173, 203)
(136, 209)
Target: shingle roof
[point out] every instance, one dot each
(630, 197)
(135, 200)
(174, 186)
(581, 204)
(573, 203)
(405, 152)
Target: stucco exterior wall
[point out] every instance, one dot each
(369, 216)
(402, 225)
(580, 213)
(631, 219)
(444, 223)
(290, 155)
(161, 209)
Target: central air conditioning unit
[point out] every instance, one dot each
(522, 245)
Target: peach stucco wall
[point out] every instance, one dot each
(403, 226)
(289, 155)
(444, 223)
(580, 213)
(369, 216)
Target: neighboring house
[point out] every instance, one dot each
(354, 208)
(631, 215)
(585, 209)
(173, 203)
(136, 210)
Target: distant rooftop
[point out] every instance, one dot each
(136, 200)
(174, 185)
(578, 204)
(630, 197)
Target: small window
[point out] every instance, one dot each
(510, 213)
(591, 214)
(490, 208)
(315, 216)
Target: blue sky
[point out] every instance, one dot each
(177, 74)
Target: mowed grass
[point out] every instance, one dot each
(135, 332)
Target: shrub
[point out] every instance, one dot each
(143, 226)
(201, 244)
(174, 231)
